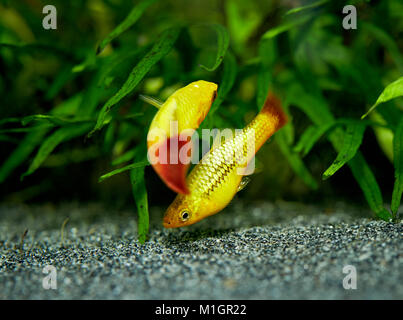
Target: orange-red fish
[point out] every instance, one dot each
(186, 108)
(215, 180)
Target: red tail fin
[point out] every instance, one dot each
(272, 107)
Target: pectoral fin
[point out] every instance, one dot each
(245, 180)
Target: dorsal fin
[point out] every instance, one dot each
(150, 100)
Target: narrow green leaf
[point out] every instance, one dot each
(129, 21)
(222, 45)
(140, 194)
(57, 121)
(315, 107)
(69, 107)
(9, 120)
(386, 40)
(263, 84)
(295, 161)
(308, 6)
(227, 81)
(110, 69)
(309, 138)
(22, 152)
(62, 78)
(6, 138)
(158, 51)
(366, 179)
(313, 133)
(285, 27)
(319, 112)
(123, 169)
(351, 142)
(29, 129)
(127, 156)
(32, 48)
(35, 135)
(398, 164)
(50, 143)
(92, 95)
(393, 90)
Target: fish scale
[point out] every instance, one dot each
(214, 167)
(215, 180)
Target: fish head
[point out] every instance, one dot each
(182, 212)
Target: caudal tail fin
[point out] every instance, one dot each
(272, 108)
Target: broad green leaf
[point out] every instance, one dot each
(50, 143)
(393, 90)
(140, 195)
(158, 51)
(123, 169)
(352, 140)
(398, 164)
(295, 161)
(22, 152)
(222, 45)
(130, 20)
(308, 6)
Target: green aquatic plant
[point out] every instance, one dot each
(329, 74)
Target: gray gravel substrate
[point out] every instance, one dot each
(254, 251)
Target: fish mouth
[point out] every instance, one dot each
(167, 223)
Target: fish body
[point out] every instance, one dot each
(215, 180)
(184, 110)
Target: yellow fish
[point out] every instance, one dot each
(215, 180)
(187, 107)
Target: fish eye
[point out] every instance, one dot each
(185, 215)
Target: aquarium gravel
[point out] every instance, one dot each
(270, 251)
